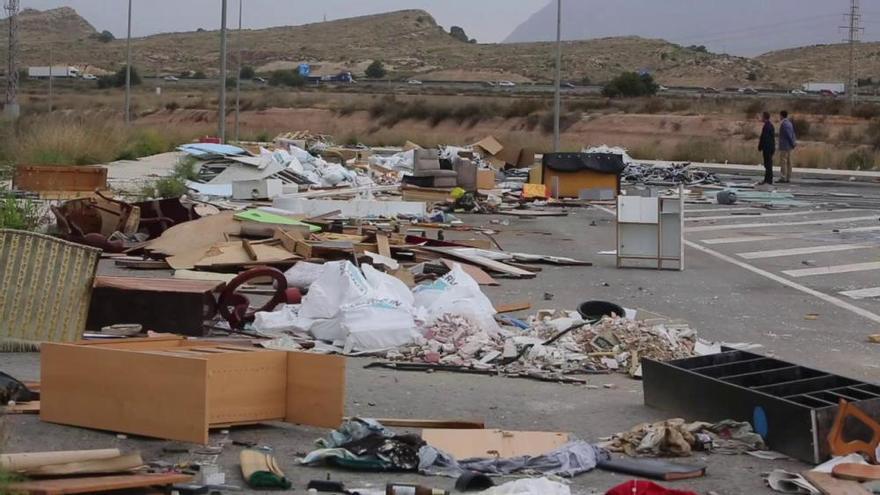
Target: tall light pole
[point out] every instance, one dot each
(222, 109)
(128, 69)
(238, 76)
(557, 100)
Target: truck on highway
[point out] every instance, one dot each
(60, 71)
(816, 88)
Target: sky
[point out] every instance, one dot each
(486, 20)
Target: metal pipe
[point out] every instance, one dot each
(222, 109)
(557, 100)
(128, 69)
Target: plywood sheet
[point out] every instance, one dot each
(233, 253)
(187, 243)
(98, 484)
(475, 272)
(465, 444)
(315, 389)
(246, 386)
(830, 485)
(125, 391)
(157, 284)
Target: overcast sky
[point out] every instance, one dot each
(486, 20)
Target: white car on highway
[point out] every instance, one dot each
(798, 92)
(506, 84)
(89, 77)
(171, 78)
(415, 82)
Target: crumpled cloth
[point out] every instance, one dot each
(569, 460)
(365, 444)
(638, 487)
(676, 438)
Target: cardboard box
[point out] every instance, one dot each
(174, 389)
(485, 179)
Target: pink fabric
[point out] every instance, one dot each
(639, 487)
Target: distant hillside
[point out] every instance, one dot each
(409, 42)
(827, 62)
(741, 27)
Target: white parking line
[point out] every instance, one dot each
(766, 215)
(758, 238)
(722, 209)
(779, 253)
(862, 293)
(833, 270)
(710, 228)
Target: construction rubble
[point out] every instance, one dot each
(285, 269)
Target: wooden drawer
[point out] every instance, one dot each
(174, 389)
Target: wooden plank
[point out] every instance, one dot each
(475, 272)
(453, 424)
(382, 245)
(315, 389)
(123, 391)
(246, 386)
(856, 472)
(513, 307)
(464, 444)
(30, 460)
(22, 408)
(59, 179)
(830, 485)
(186, 243)
(235, 254)
(491, 265)
(249, 249)
(98, 484)
(174, 285)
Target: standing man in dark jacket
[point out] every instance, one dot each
(767, 146)
(787, 144)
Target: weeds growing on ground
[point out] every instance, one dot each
(18, 214)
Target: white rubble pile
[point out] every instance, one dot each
(627, 160)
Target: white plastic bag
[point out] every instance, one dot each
(387, 287)
(303, 274)
(529, 486)
(340, 284)
(456, 293)
(377, 324)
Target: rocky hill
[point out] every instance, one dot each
(409, 42)
(827, 63)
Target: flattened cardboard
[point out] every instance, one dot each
(465, 444)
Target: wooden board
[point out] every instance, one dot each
(186, 243)
(30, 460)
(513, 307)
(829, 485)
(246, 386)
(382, 245)
(856, 472)
(464, 444)
(491, 265)
(22, 408)
(157, 284)
(315, 389)
(58, 179)
(475, 272)
(234, 254)
(125, 391)
(97, 484)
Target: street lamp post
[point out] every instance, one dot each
(557, 100)
(222, 109)
(238, 74)
(128, 69)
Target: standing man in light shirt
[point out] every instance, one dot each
(787, 144)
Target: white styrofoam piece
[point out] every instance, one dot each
(257, 189)
(358, 208)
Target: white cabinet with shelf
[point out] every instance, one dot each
(651, 229)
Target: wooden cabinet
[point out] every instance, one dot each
(174, 389)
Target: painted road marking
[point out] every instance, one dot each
(862, 293)
(832, 270)
(779, 253)
(758, 238)
(721, 209)
(710, 228)
(840, 303)
(767, 215)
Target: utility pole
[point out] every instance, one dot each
(855, 30)
(51, 63)
(128, 70)
(238, 76)
(11, 110)
(557, 100)
(222, 110)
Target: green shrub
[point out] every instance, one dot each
(144, 142)
(118, 80)
(753, 109)
(802, 127)
(18, 214)
(166, 187)
(860, 159)
(248, 72)
(630, 84)
(376, 70)
(289, 78)
(172, 106)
